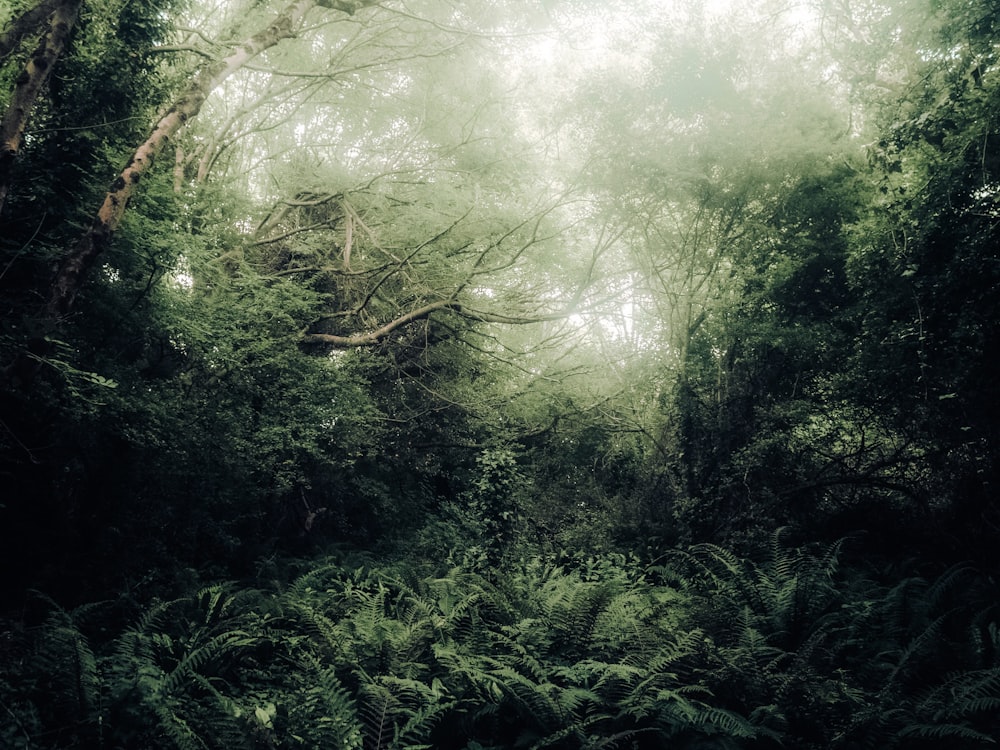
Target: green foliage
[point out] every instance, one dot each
(488, 511)
(69, 673)
(791, 649)
(754, 341)
(924, 263)
(918, 632)
(174, 665)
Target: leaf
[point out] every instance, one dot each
(266, 715)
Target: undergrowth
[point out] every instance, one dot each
(702, 649)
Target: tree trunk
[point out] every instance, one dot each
(29, 22)
(61, 18)
(74, 267)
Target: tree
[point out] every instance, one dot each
(730, 201)
(60, 18)
(201, 351)
(923, 262)
(185, 106)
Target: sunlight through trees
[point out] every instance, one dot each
(562, 374)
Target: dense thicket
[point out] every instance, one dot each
(400, 375)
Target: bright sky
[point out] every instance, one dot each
(608, 38)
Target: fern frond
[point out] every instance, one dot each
(467, 625)
(152, 618)
(397, 712)
(571, 606)
(317, 579)
(945, 732)
(711, 720)
(915, 647)
(828, 563)
(321, 711)
(785, 561)
(671, 654)
(955, 576)
(624, 623)
(66, 660)
(517, 652)
(963, 695)
(177, 729)
(317, 623)
(417, 727)
(376, 710)
(612, 681)
(471, 671)
(538, 700)
(895, 607)
(732, 577)
(615, 740)
(581, 732)
(214, 602)
(219, 646)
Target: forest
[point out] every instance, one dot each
(402, 374)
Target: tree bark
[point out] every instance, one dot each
(76, 264)
(373, 337)
(61, 18)
(29, 22)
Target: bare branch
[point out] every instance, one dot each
(403, 262)
(420, 313)
(348, 238)
(292, 233)
(338, 270)
(342, 72)
(373, 337)
(163, 48)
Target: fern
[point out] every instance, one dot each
(908, 633)
(912, 651)
(940, 731)
(398, 713)
(581, 733)
(69, 680)
(213, 649)
(967, 693)
(317, 624)
(711, 720)
(955, 577)
(627, 623)
(416, 729)
(318, 710)
(611, 681)
(316, 579)
(571, 609)
(177, 671)
(180, 733)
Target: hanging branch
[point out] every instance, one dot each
(61, 18)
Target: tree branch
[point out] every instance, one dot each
(181, 48)
(373, 337)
